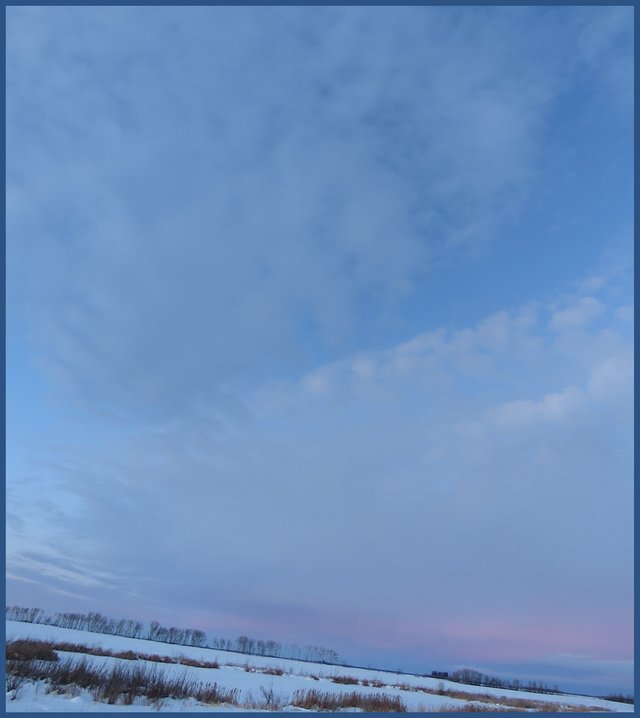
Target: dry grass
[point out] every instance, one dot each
(500, 707)
(413, 689)
(470, 708)
(14, 684)
(344, 680)
(27, 650)
(270, 701)
(38, 660)
(326, 701)
(493, 702)
(214, 694)
(118, 684)
(375, 682)
(519, 704)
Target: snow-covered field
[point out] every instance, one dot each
(244, 673)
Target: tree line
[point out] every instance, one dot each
(94, 622)
(97, 623)
(257, 647)
(475, 678)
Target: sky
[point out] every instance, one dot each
(320, 328)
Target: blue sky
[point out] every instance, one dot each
(320, 327)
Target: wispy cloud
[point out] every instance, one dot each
(412, 439)
(271, 176)
(239, 241)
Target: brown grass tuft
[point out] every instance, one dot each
(27, 650)
(120, 683)
(344, 680)
(324, 700)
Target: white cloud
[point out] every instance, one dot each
(583, 311)
(268, 175)
(508, 460)
(555, 407)
(202, 228)
(613, 378)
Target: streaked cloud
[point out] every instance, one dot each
(321, 324)
(436, 453)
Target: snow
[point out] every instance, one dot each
(232, 674)
(33, 697)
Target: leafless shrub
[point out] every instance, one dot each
(118, 683)
(185, 661)
(28, 650)
(376, 683)
(128, 655)
(156, 686)
(14, 684)
(79, 648)
(324, 700)
(213, 693)
(271, 701)
(344, 680)
(74, 672)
